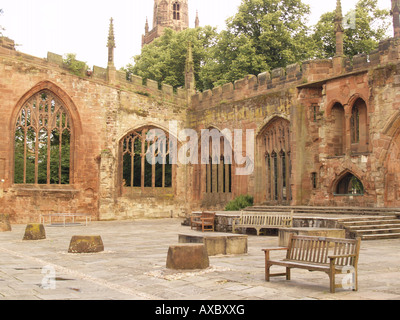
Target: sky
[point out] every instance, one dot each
(81, 26)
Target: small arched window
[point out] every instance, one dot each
(349, 185)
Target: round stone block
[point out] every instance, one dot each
(86, 244)
(34, 231)
(5, 223)
(187, 257)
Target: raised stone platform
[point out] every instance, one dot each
(188, 256)
(218, 243)
(284, 234)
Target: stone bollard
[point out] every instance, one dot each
(187, 257)
(34, 231)
(86, 244)
(5, 223)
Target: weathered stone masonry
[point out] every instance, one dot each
(327, 132)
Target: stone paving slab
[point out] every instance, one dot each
(132, 267)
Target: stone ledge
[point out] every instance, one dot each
(218, 244)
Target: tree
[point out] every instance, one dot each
(366, 26)
(164, 59)
(1, 28)
(263, 35)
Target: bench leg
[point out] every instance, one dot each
(288, 274)
(332, 281)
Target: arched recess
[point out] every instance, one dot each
(274, 157)
(147, 162)
(392, 172)
(45, 126)
(337, 129)
(359, 127)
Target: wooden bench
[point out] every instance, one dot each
(260, 221)
(330, 255)
(203, 220)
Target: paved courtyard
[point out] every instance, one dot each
(132, 267)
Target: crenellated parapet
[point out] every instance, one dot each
(297, 74)
(123, 80)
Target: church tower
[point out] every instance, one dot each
(173, 14)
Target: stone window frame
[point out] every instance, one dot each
(218, 171)
(176, 11)
(143, 188)
(343, 182)
(275, 146)
(76, 131)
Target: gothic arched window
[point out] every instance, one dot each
(146, 162)
(349, 185)
(42, 141)
(176, 8)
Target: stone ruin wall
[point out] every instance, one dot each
(102, 114)
(290, 94)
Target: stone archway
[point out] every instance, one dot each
(274, 153)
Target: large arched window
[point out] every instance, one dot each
(275, 146)
(146, 159)
(218, 175)
(42, 141)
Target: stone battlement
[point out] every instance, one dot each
(123, 81)
(297, 74)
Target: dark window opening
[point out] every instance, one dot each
(350, 185)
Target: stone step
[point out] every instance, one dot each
(369, 222)
(328, 210)
(383, 236)
(373, 226)
(376, 231)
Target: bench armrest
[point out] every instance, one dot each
(275, 249)
(342, 256)
(268, 250)
(333, 258)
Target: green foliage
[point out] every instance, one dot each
(1, 28)
(76, 67)
(240, 203)
(261, 36)
(362, 36)
(164, 59)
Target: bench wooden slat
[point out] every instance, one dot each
(329, 255)
(260, 221)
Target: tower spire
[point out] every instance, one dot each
(339, 30)
(396, 18)
(111, 43)
(111, 71)
(190, 83)
(197, 21)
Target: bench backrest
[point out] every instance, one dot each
(208, 214)
(318, 249)
(267, 219)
